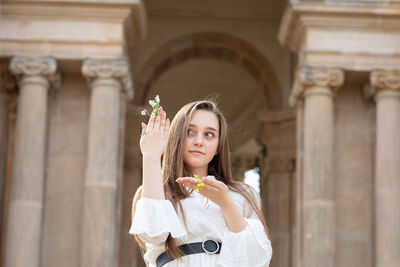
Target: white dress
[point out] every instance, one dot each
(154, 219)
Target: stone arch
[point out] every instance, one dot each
(209, 45)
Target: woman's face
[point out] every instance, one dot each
(201, 142)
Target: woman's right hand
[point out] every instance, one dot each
(155, 135)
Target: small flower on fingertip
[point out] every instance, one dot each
(152, 103)
(155, 104)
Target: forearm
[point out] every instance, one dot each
(152, 178)
(233, 217)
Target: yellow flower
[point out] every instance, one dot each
(200, 183)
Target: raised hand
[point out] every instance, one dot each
(155, 135)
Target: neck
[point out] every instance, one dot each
(201, 172)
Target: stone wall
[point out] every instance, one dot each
(66, 167)
(246, 43)
(277, 132)
(353, 173)
(329, 174)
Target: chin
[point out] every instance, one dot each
(194, 164)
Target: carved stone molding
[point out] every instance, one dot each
(382, 83)
(315, 77)
(385, 80)
(35, 69)
(321, 77)
(109, 70)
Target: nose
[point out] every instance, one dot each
(198, 140)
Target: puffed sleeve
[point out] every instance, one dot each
(250, 247)
(154, 219)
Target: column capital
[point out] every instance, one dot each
(385, 80)
(324, 79)
(109, 70)
(383, 83)
(35, 69)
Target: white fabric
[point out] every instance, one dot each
(155, 219)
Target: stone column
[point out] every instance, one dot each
(27, 183)
(101, 219)
(277, 132)
(316, 87)
(386, 85)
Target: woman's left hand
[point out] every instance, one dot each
(216, 191)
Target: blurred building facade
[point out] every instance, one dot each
(311, 90)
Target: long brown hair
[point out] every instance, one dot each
(173, 167)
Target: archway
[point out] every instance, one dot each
(208, 45)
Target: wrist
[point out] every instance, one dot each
(151, 157)
(233, 217)
(227, 204)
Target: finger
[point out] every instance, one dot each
(213, 183)
(188, 181)
(162, 122)
(150, 124)
(143, 128)
(157, 122)
(196, 184)
(167, 124)
(192, 180)
(184, 180)
(208, 181)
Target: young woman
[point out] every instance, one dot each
(177, 220)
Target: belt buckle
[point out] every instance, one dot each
(203, 245)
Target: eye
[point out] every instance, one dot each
(190, 132)
(210, 134)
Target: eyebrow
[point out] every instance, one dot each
(209, 128)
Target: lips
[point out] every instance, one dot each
(196, 152)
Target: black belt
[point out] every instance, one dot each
(208, 246)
